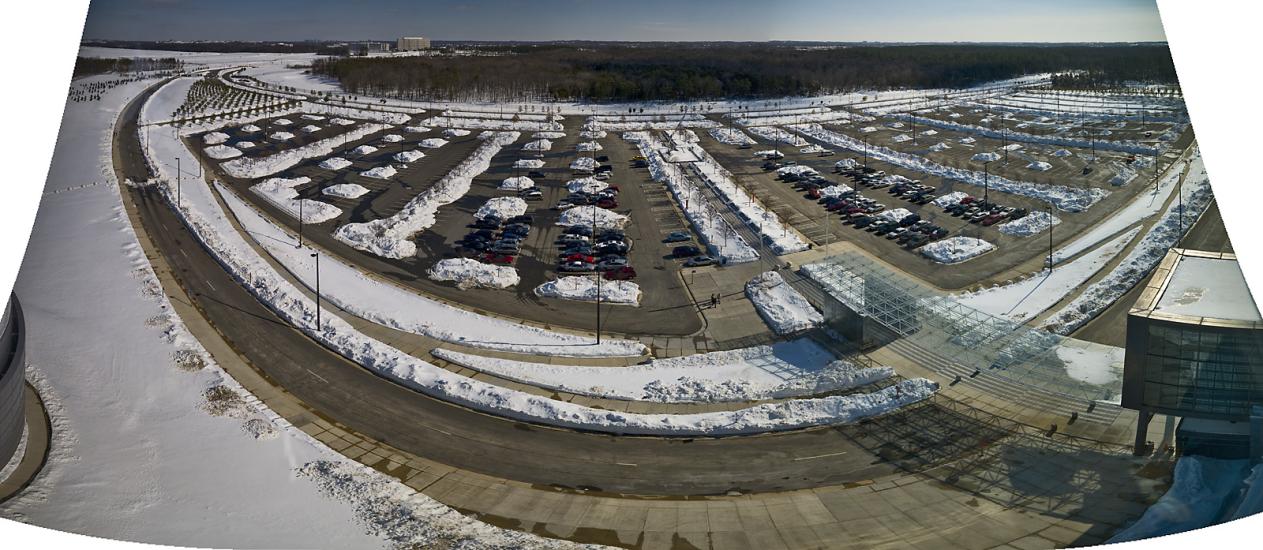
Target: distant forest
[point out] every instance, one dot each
(631, 72)
(101, 65)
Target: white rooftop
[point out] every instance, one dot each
(1208, 287)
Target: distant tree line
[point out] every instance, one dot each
(630, 72)
(101, 65)
(228, 46)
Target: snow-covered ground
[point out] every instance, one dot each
(1026, 299)
(345, 190)
(1032, 223)
(135, 456)
(592, 216)
(782, 307)
(408, 156)
(334, 163)
(1164, 234)
(281, 193)
(584, 288)
(538, 146)
(528, 164)
(1070, 199)
(258, 167)
(380, 172)
(467, 273)
(516, 183)
(1060, 141)
(777, 135)
(432, 143)
(721, 239)
(390, 237)
(954, 250)
(797, 368)
(1197, 498)
(731, 136)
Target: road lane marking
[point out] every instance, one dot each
(182, 253)
(626, 464)
(208, 283)
(322, 379)
(819, 456)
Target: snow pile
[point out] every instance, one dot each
(1061, 153)
(334, 163)
(985, 157)
(1066, 198)
(777, 135)
(215, 138)
(1123, 174)
(588, 185)
(1203, 487)
(528, 164)
(1039, 166)
(467, 273)
(251, 129)
(588, 147)
(342, 122)
(949, 199)
(796, 170)
(282, 122)
(517, 183)
(835, 190)
(558, 135)
(1030, 224)
(310, 129)
(967, 140)
(940, 146)
(592, 215)
(433, 143)
(811, 149)
(1164, 234)
(455, 132)
(281, 136)
(721, 239)
(251, 168)
(583, 288)
(416, 129)
(392, 138)
(954, 250)
(381, 172)
(539, 145)
(901, 138)
(586, 134)
(894, 215)
(1061, 141)
(583, 164)
(363, 150)
(868, 129)
(731, 136)
(408, 156)
(244, 145)
(281, 193)
(784, 309)
(222, 152)
(930, 133)
(312, 117)
(390, 237)
(798, 368)
(345, 190)
(492, 122)
(846, 164)
(501, 207)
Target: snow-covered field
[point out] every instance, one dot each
(954, 250)
(1070, 199)
(467, 273)
(797, 368)
(1060, 141)
(584, 288)
(784, 309)
(721, 239)
(281, 193)
(1026, 299)
(390, 237)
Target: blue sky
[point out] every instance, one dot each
(754, 20)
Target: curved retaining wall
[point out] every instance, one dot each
(12, 375)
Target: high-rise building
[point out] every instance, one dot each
(412, 43)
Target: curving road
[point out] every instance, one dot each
(358, 399)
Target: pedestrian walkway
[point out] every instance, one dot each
(36, 449)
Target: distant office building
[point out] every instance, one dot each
(369, 48)
(1195, 351)
(412, 44)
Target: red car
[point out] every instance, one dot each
(814, 194)
(837, 206)
(491, 258)
(621, 274)
(607, 203)
(968, 200)
(579, 258)
(613, 188)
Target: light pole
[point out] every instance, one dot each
(866, 154)
(1050, 238)
(986, 184)
(598, 282)
(300, 223)
(177, 181)
(316, 255)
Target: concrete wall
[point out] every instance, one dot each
(12, 375)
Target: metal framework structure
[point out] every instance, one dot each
(939, 325)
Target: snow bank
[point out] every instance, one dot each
(777, 135)
(949, 199)
(501, 207)
(784, 309)
(583, 164)
(1196, 499)
(592, 215)
(798, 368)
(215, 138)
(731, 136)
(1031, 224)
(894, 215)
(455, 132)
(586, 134)
(408, 156)
(390, 237)
(345, 190)
(954, 250)
(281, 193)
(282, 122)
(1066, 198)
(1039, 166)
(588, 147)
(583, 288)
(392, 138)
(310, 129)
(416, 129)
(986, 157)
(528, 164)
(281, 136)
(334, 163)
(380, 172)
(363, 150)
(539, 145)
(517, 183)
(244, 145)
(588, 185)
(467, 273)
(222, 152)
(251, 129)
(1062, 141)
(558, 135)
(251, 168)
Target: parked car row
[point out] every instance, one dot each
(582, 251)
(496, 241)
(975, 210)
(606, 198)
(912, 232)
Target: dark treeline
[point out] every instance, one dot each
(101, 65)
(310, 46)
(678, 71)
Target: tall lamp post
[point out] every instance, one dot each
(986, 184)
(316, 255)
(177, 181)
(1050, 238)
(598, 281)
(300, 223)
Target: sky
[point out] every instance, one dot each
(630, 20)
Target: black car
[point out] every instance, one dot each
(536, 174)
(604, 168)
(523, 218)
(489, 222)
(909, 220)
(864, 222)
(685, 251)
(603, 158)
(677, 237)
(585, 230)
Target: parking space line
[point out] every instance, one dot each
(819, 456)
